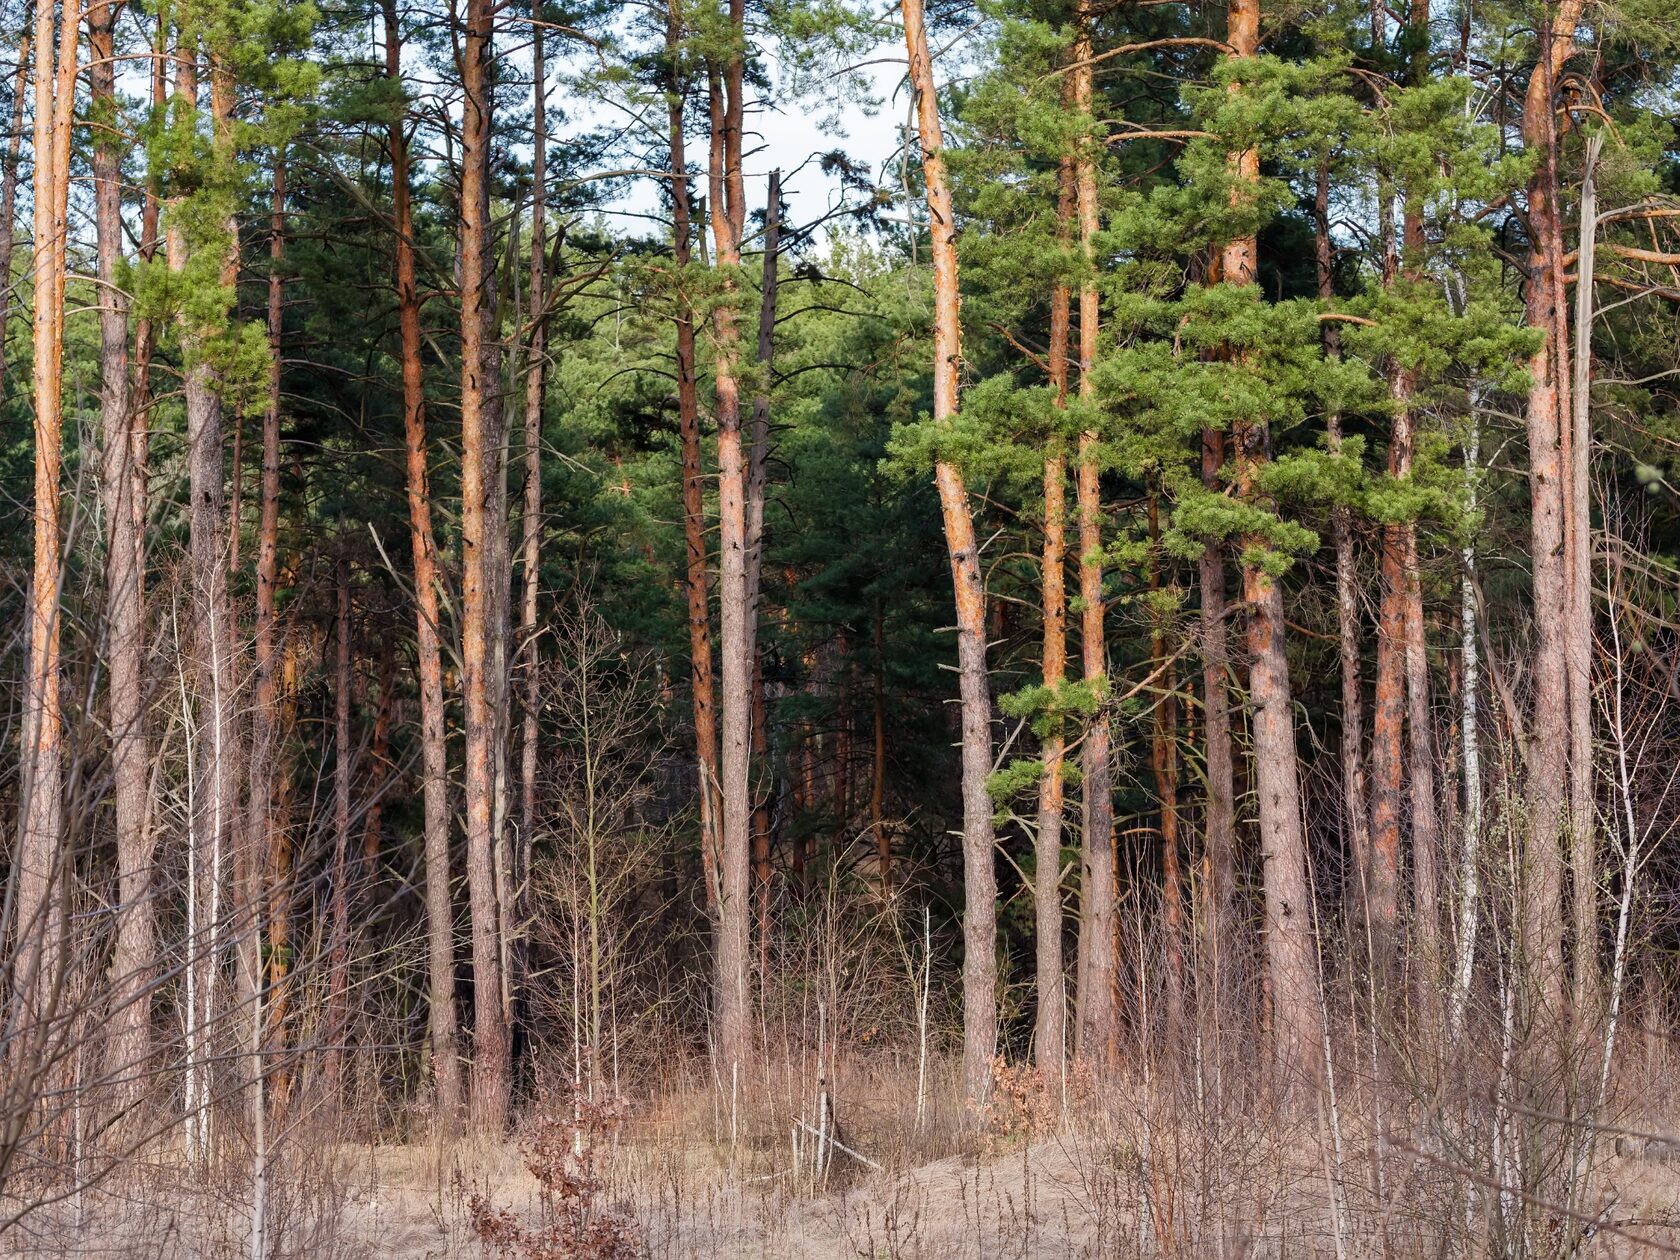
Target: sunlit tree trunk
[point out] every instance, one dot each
(1096, 964)
(758, 455)
(1426, 840)
(1468, 920)
(38, 959)
(266, 826)
(1050, 1032)
(440, 932)
(480, 464)
(214, 829)
(123, 494)
(979, 878)
(531, 517)
(1578, 635)
(728, 212)
(697, 584)
(1283, 850)
(1548, 413)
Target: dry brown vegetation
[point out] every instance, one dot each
(1154, 1163)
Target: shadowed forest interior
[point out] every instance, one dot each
(826, 627)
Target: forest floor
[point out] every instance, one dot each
(1107, 1182)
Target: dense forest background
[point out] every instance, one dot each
(1137, 627)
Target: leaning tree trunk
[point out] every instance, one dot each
(979, 878)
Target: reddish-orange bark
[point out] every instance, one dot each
(728, 218)
(480, 462)
(38, 960)
(979, 878)
(1290, 963)
(440, 944)
(1050, 1032)
(1548, 419)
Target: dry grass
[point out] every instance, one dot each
(1155, 1164)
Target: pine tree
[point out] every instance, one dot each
(481, 527)
(979, 881)
(440, 931)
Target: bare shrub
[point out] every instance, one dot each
(574, 1220)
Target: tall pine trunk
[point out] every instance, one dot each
(758, 455)
(480, 464)
(1096, 960)
(1426, 924)
(263, 819)
(440, 931)
(1388, 763)
(531, 513)
(1050, 1032)
(213, 828)
(1283, 850)
(39, 961)
(979, 878)
(728, 212)
(123, 494)
(1578, 635)
(1548, 412)
(697, 584)
(1348, 628)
